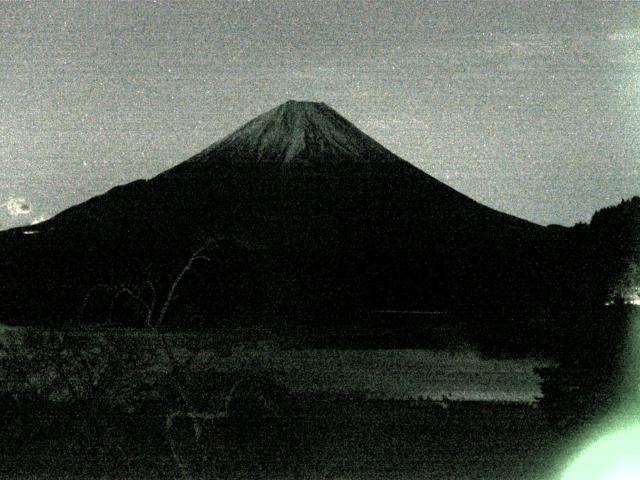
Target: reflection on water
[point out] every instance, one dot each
(397, 373)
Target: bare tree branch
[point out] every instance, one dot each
(127, 291)
(197, 255)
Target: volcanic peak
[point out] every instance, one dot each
(298, 132)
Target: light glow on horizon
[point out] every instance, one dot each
(615, 456)
(613, 453)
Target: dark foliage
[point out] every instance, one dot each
(104, 403)
(588, 380)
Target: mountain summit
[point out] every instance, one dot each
(297, 133)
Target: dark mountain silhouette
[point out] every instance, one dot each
(309, 215)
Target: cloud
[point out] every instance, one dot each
(17, 206)
(624, 35)
(39, 219)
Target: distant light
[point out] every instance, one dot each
(633, 299)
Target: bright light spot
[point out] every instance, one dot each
(625, 472)
(627, 299)
(614, 452)
(615, 456)
(632, 298)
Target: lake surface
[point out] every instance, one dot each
(397, 373)
(389, 373)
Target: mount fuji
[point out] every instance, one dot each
(308, 214)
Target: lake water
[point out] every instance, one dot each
(390, 373)
(397, 373)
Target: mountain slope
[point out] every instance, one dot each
(309, 213)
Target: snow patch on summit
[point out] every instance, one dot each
(300, 133)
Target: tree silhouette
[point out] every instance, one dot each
(588, 379)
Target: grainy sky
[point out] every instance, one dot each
(530, 108)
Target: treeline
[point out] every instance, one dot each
(599, 282)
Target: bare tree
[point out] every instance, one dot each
(95, 369)
(155, 316)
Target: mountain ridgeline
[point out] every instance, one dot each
(311, 220)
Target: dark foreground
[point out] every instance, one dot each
(342, 438)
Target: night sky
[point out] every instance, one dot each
(530, 108)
